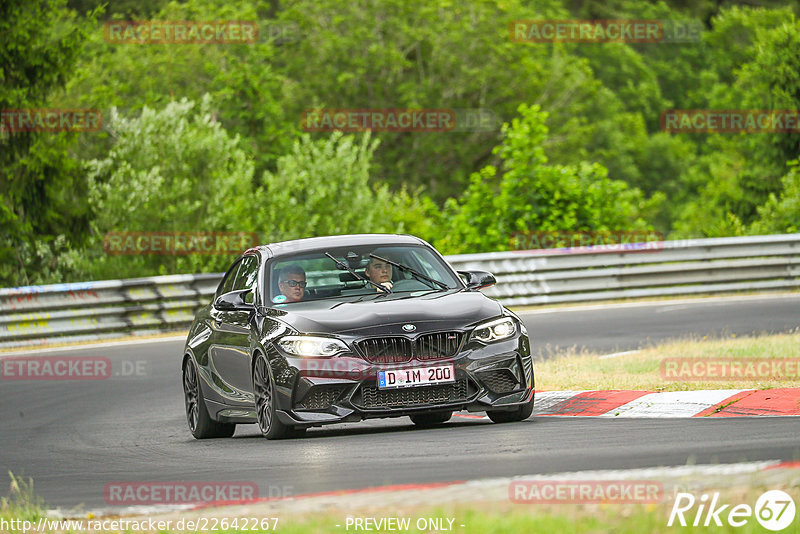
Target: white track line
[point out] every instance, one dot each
(85, 346)
(672, 403)
(618, 354)
(653, 303)
(547, 399)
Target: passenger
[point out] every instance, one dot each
(379, 272)
(292, 282)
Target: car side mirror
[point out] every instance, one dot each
(235, 300)
(477, 279)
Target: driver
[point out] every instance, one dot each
(292, 282)
(379, 272)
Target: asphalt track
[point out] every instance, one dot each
(621, 327)
(75, 437)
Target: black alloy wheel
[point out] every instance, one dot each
(200, 423)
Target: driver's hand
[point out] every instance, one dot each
(387, 285)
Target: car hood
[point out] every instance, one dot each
(387, 314)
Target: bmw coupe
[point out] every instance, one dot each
(338, 329)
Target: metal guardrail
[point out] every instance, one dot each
(686, 267)
(40, 315)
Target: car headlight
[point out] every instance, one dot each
(495, 330)
(312, 346)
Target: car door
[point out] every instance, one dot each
(230, 351)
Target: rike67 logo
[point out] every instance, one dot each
(774, 510)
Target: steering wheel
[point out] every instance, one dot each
(409, 285)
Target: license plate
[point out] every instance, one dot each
(416, 376)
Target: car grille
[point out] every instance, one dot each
(500, 380)
(438, 345)
(372, 397)
(386, 349)
(399, 349)
(320, 397)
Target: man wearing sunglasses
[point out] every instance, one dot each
(292, 283)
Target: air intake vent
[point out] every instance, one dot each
(500, 380)
(400, 349)
(321, 397)
(437, 346)
(372, 397)
(386, 349)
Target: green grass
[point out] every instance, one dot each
(504, 518)
(22, 502)
(641, 370)
(478, 517)
(578, 519)
(622, 519)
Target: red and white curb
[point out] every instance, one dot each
(702, 403)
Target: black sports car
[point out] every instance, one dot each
(337, 329)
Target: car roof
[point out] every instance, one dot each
(308, 244)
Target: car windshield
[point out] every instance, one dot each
(324, 274)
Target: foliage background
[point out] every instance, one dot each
(208, 137)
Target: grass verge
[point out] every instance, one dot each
(22, 502)
(505, 518)
(498, 518)
(642, 370)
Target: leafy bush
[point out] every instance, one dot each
(322, 187)
(42, 190)
(533, 195)
(169, 170)
(781, 213)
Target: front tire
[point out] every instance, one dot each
(521, 413)
(264, 392)
(200, 423)
(426, 420)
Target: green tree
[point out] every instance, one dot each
(322, 187)
(732, 176)
(534, 195)
(40, 183)
(443, 54)
(771, 81)
(251, 98)
(781, 213)
(128, 8)
(169, 170)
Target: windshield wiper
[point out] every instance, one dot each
(344, 267)
(413, 272)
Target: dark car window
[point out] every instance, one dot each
(423, 261)
(325, 280)
(248, 272)
(227, 281)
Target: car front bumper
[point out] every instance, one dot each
(490, 377)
